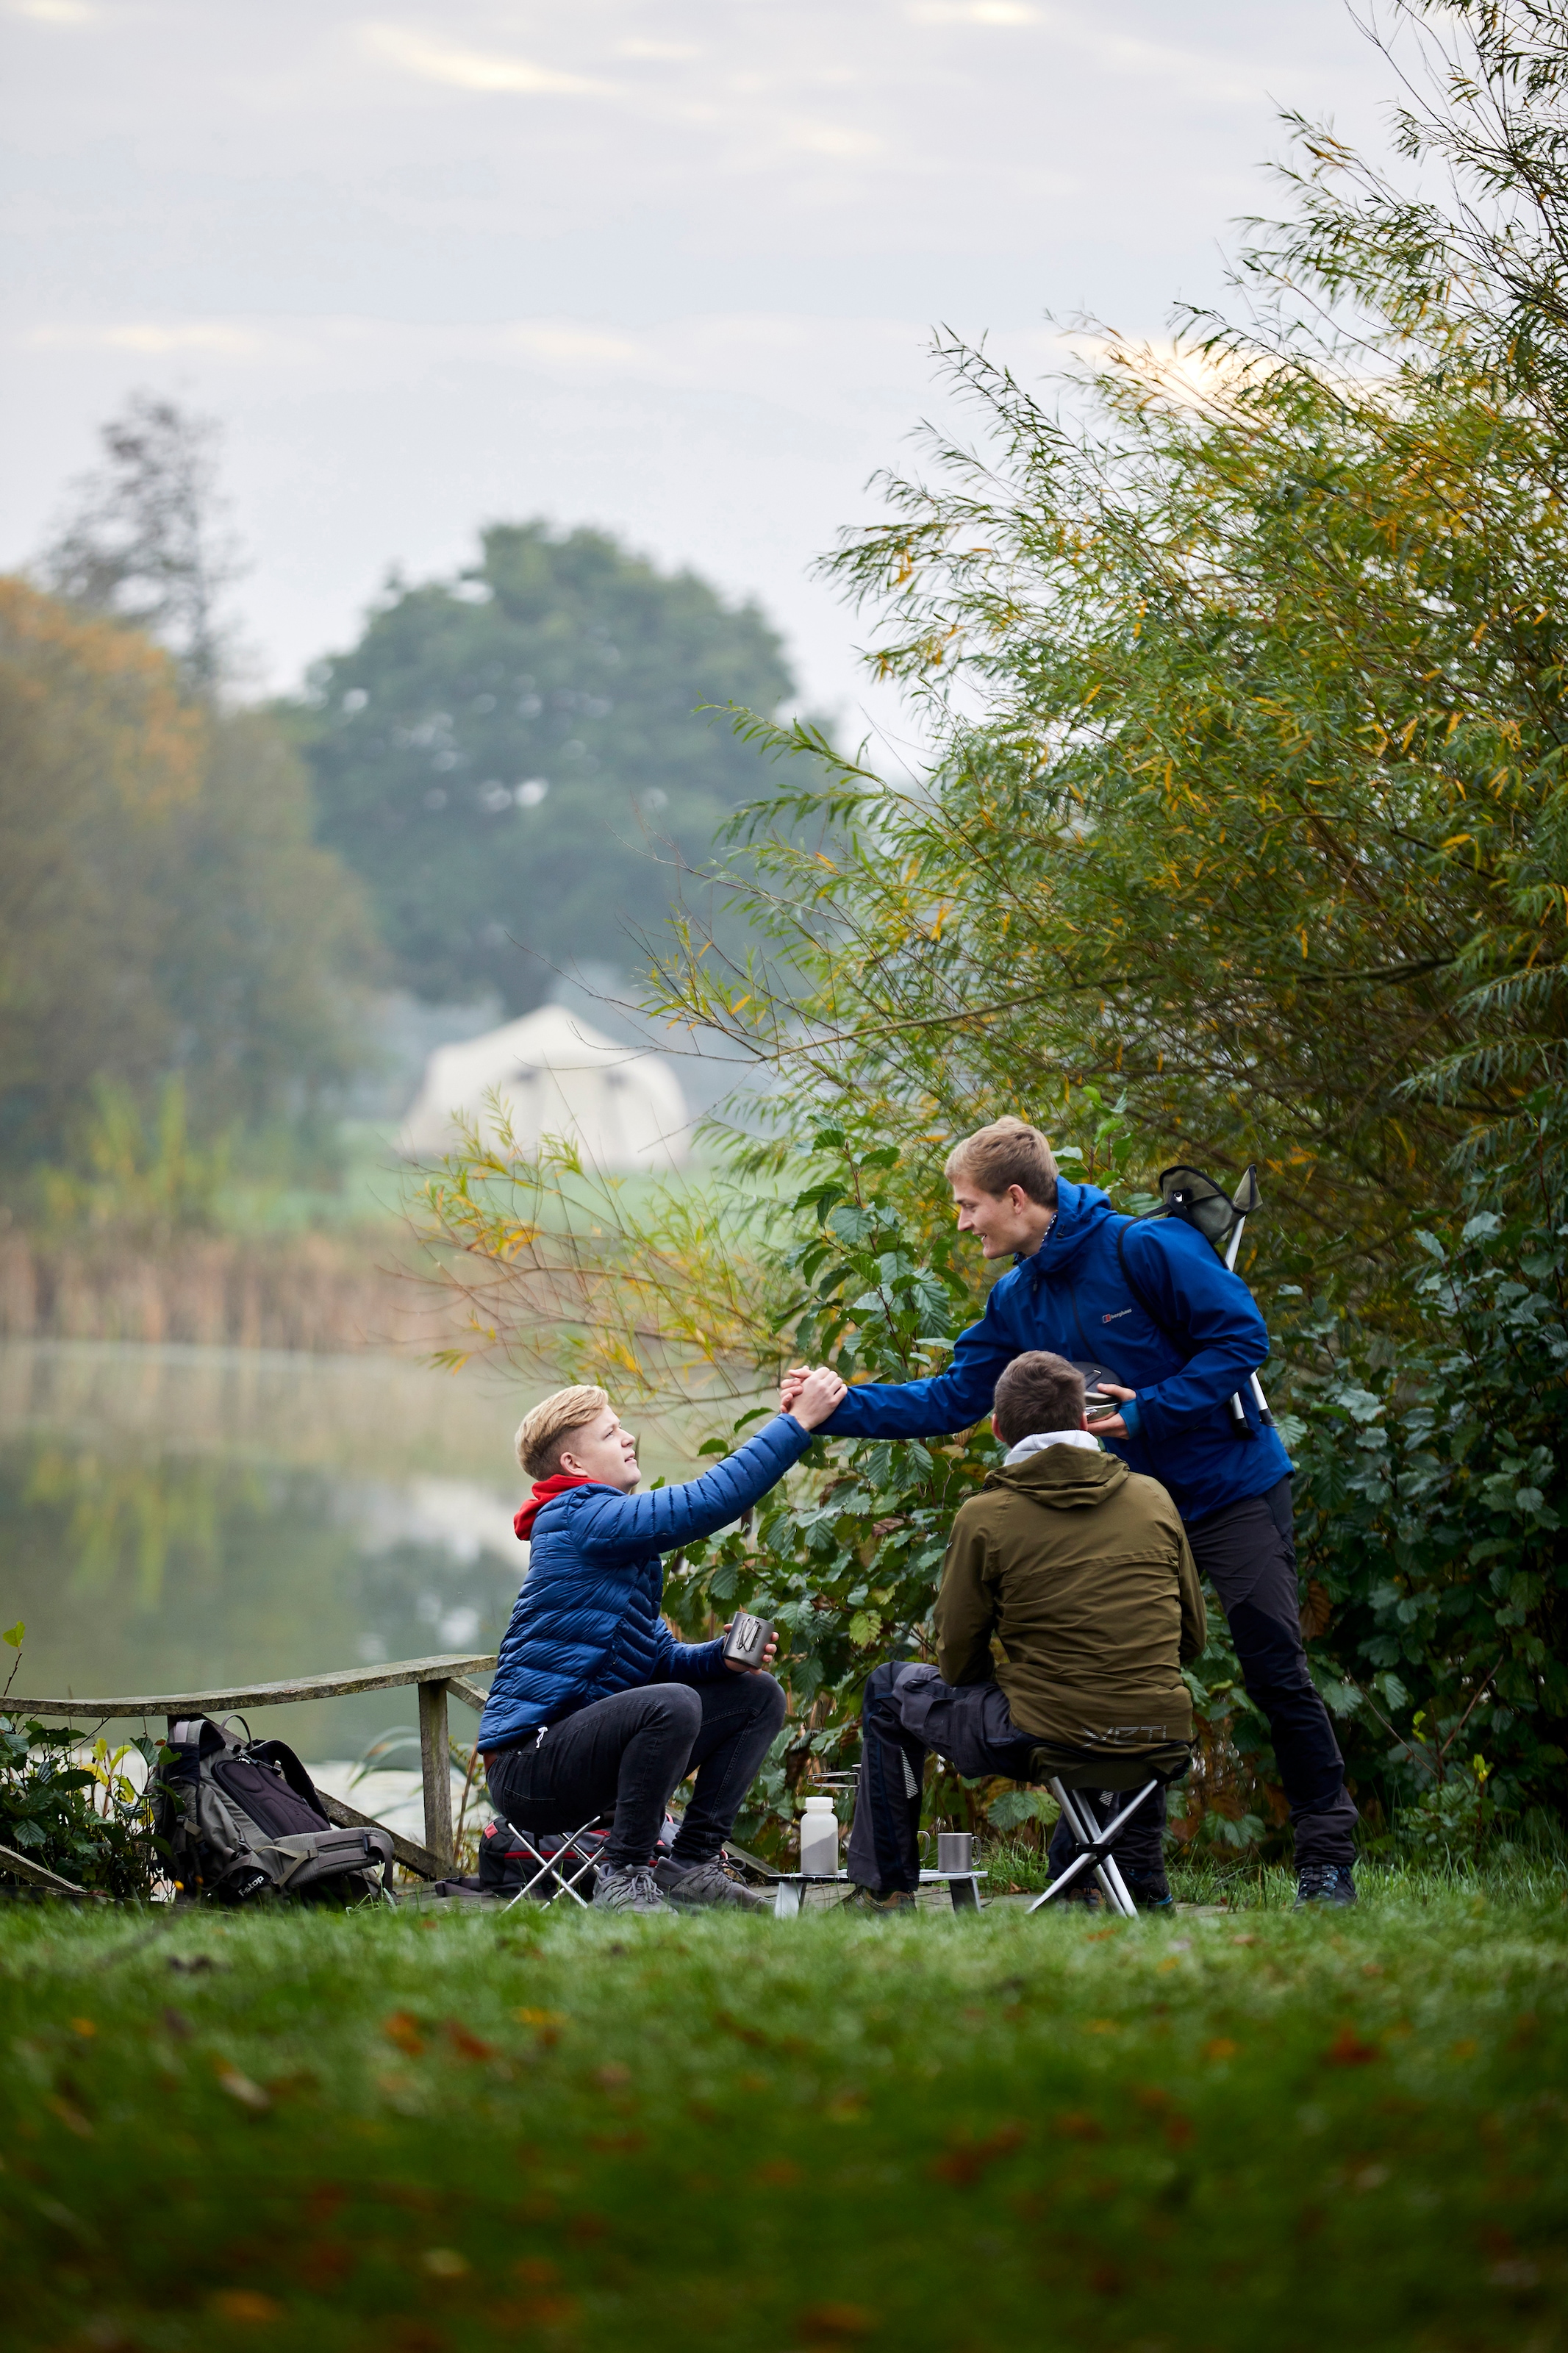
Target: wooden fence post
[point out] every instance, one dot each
(435, 1757)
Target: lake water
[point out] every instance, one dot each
(173, 1519)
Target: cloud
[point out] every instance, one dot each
(54, 12)
(151, 337)
(476, 70)
(974, 12)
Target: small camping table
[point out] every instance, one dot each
(963, 1886)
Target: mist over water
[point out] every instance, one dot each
(173, 1519)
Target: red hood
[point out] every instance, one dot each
(543, 1489)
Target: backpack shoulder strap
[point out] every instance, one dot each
(1140, 1295)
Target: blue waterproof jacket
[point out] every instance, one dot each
(1184, 1362)
(587, 1622)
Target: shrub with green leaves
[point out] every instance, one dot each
(1432, 1495)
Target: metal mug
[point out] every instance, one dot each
(955, 1850)
(746, 1642)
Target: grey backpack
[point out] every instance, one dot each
(240, 1819)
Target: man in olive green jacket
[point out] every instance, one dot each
(1068, 1601)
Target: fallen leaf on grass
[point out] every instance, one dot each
(84, 2027)
(403, 2028)
(1222, 2047)
(1101, 2026)
(965, 2160)
(445, 2262)
(777, 2173)
(536, 2271)
(845, 2107)
(613, 2075)
(1073, 2123)
(837, 2322)
(240, 2087)
(1348, 2049)
(465, 2044)
(1465, 2048)
(71, 2116)
(246, 2305)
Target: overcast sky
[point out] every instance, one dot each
(667, 266)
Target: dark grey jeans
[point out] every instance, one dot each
(627, 1754)
(1248, 1552)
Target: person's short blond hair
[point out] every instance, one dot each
(542, 1435)
(1008, 1152)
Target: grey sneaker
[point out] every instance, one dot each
(707, 1882)
(1324, 1883)
(630, 1888)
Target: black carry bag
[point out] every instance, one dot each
(240, 1820)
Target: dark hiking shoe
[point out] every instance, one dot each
(630, 1888)
(1149, 1895)
(1082, 1891)
(1324, 1883)
(879, 1906)
(689, 1885)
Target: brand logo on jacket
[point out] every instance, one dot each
(1117, 1316)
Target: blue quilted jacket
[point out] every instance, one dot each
(1203, 1340)
(587, 1622)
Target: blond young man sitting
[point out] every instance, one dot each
(596, 1707)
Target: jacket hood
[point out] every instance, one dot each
(545, 1492)
(1067, 1478)
(1080, 1209)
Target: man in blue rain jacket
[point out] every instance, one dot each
(595, 1706)
(1153, 1303)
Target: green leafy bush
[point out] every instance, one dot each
(1431, 1499)
(81, 1817)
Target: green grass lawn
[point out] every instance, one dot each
(428, 2131)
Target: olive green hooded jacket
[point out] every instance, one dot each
(1082, 1571)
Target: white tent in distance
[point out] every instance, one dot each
(553, 1075)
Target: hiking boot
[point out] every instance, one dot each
(693, 1883)
(1149, 1895)
(882, 1907)
(1083, 1890)
(1324, 1883)
(628, 1887)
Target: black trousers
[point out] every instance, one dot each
(905, 1713)
(627, 1754)
(1248, 1552)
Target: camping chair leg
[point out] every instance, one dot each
(551, 1865)
(1095, 1841)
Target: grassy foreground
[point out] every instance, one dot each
(429, 2131)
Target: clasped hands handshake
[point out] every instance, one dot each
(811, 1394)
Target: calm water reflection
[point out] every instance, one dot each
(175, 1518)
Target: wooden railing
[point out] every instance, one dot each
(434, 1678)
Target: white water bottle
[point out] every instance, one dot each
(819, 1839)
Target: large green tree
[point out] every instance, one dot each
(163, 911)
(517, 763)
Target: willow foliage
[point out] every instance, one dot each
(1244, 670)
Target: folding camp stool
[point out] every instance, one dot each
(1139, 1781)
(572, 1851)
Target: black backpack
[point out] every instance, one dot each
(240, 1819)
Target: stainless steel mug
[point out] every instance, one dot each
(955, 1850)
(747, 1640)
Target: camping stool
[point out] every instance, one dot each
(553, 1866)
(1070, 1781)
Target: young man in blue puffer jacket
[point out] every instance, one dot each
(1152, 1303)
(596, 1707)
